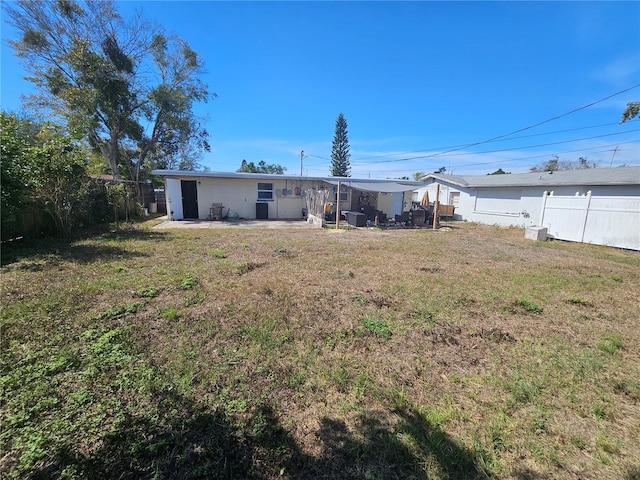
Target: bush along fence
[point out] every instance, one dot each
(68, 208)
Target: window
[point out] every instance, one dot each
(454, 199)
(265, 191)
(344, 194)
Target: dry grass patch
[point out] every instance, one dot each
(466, 353)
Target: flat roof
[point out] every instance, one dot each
(363, 182)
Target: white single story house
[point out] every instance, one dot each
(596, 205)
(192, 195)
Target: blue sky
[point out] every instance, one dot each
(414, 80)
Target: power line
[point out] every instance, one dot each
(543, 155)
(499, 140)
(493, 139)
(544, 121)
(520, 159)
(444, 154)
(546, 144)
(501, 137)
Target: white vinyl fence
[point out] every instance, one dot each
(612, 221)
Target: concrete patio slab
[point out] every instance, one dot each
(281, 224)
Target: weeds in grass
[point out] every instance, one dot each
(579, 301)
(610, 343)
(282, 252)
(607, 444)
(170, 314)
(121, 311)
(598, 411)
(360, 299)
(188, 282)
(246, 267)
(523, 389)
(528, 306)
(218, 253)
(376, 326)
(147, 292)
(616, 278)
(341, 377)
(578, 442)
(195, 299)
(331, 341)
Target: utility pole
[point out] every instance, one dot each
(613, 155)
(301, 157)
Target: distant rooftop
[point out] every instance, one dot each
(587, 176)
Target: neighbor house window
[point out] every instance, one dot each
(265, 191)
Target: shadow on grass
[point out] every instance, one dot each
(37, 253)
(412, 448)
(180, 440)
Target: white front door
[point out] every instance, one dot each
(174, 199)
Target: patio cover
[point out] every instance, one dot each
(385, 187)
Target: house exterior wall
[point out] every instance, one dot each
(509, 207)
(239, 195)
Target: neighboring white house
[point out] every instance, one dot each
(598, 205)
(191, 195)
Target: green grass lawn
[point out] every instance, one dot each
(468, 352)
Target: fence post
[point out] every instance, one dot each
(436, 207)
(544, 206)
(586, 216)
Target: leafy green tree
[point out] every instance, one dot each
(418, 175)
(500, 171)
(17, 136)
(262, 167)
(632, 111)
(58, 179)
(42, 171)
(123, 83)
(340, 156)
